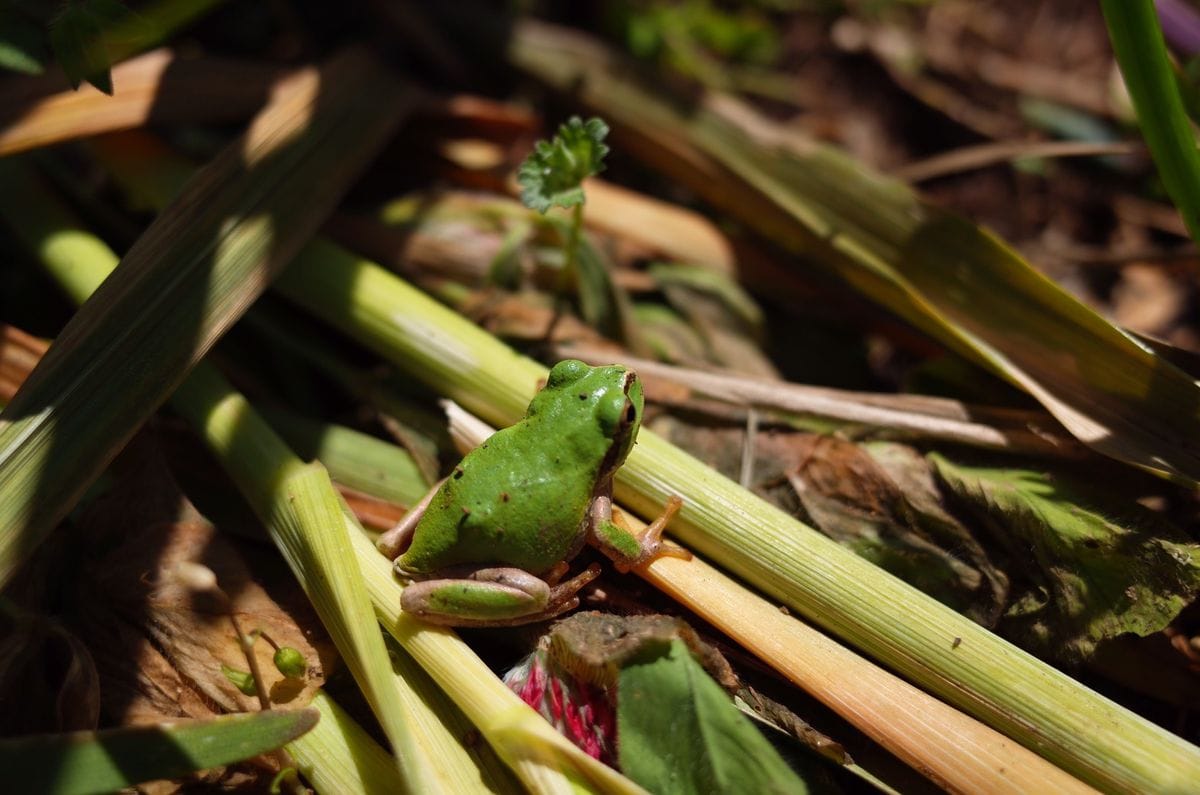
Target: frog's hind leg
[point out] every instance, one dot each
(493, 597)
(395, 540)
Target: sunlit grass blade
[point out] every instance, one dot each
(1137, 40)
(109, 760)
(339, 756)
(185, 281)
(303, 513)
(354, 459)
(947, 277)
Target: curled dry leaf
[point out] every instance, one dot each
(48, 681)
(884, 505)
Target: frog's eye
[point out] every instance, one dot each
(566, 371)
(611, 412)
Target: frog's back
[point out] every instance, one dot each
(518, 500)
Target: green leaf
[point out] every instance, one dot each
(679, 732)
(553, 174)
(353, 458)
(76, 38)
(720, 285)
(242, 680)
(1096, 567)
(601, 302)
(85, 762)
(114, 16)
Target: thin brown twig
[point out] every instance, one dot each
(939, 418)
(970, 158)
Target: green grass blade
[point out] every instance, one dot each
(354, 459)
(297, 503)
(185, 281)
(339, 756)
(1137, 40)
(104, 761)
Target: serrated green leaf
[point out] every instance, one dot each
(1096, 567)
(86, 762)
(76, 38)
(679, 732)
(553, 174)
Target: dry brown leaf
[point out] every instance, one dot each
(852, 498)
(669, 231)
(19, 352)
(371, 511)
(159, 643)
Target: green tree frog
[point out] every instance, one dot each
(490, 544)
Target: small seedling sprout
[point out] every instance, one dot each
(553, 175)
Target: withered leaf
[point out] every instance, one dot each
(1096, 565)
(883, 504)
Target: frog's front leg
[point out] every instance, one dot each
(492, 597)
(396, 539)
(628, 550)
